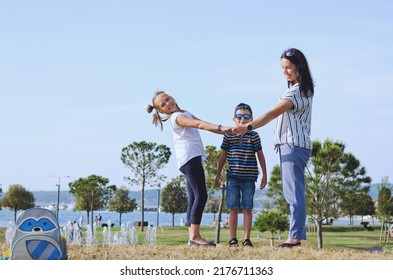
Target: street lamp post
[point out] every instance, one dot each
(58, 193)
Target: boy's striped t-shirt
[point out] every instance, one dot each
(241, 155)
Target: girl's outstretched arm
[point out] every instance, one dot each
(183, 120)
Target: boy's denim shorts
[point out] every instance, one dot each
(240, 193)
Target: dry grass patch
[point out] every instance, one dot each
(340, 244)
(221, 252)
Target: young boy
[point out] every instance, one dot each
(242, 173)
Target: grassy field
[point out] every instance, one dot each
(340, 243)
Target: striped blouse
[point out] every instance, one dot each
(294, 126)
(241, 155)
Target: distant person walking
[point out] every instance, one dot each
(99, 220)
(292, 138)
(190, 153)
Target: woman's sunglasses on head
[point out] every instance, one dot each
(289, 53)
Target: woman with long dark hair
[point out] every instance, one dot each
(292, 138)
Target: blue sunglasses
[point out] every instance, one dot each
(245, 116)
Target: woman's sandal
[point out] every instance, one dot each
(196, 244)
(247, 243)
(233, 242)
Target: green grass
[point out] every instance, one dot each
(333, 236)
(348, 236)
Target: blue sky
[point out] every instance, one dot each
(76, 77)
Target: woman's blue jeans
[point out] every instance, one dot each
(293, 161)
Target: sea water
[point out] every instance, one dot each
(165, 219)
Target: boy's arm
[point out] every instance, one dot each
(262, 163)
(221, 162)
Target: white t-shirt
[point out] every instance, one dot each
(188, 142)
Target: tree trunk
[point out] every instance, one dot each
(173, 219)
(380, 235)
(91, 223)
(143, 207)
(218, 228)
(272, 238)
(119, 220)
(319, 234)
(385, 231)
(91, 211)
